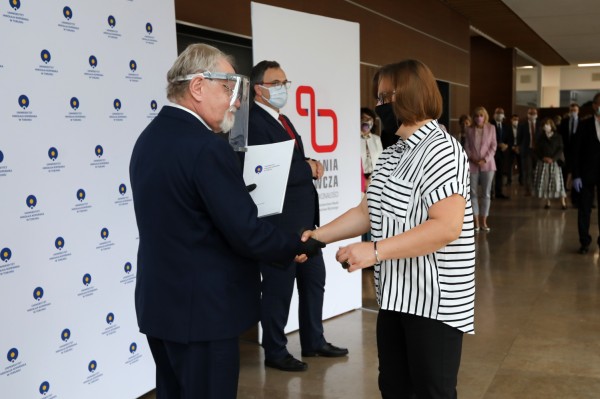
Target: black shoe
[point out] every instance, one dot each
(546, 206)
(327, 350)
(502, 196)
(288, 363)
(583, 249)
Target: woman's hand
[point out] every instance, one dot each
(357, 256)
(481, 162)
(548, 160)
(300, 258)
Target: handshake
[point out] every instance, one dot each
(310, 247)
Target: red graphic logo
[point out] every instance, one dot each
(313, 112)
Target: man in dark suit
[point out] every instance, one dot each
(198, 281)
(502, 156)
(568, 129)
(269, 85)
(526, 137)
(586, 172)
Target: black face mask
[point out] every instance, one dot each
(388, 119)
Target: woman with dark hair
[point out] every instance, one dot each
(548, 180)
(418, 210)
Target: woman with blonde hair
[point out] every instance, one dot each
(480, 146)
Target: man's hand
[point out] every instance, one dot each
(317, 168)
(577, 184)
(310, 246)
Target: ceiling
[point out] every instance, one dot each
(551, 32)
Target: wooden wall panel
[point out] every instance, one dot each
(390, 31)
(492, 76)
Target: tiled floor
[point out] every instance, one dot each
(537, 321)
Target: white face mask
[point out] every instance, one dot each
(278, 96)
(499, 117)
(547, 129)
(366, 127)
(574, 114)
(515, 123)
(532, 118)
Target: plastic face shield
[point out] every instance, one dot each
(238, 87)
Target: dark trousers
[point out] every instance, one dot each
(418, 357)
(499, 158)
(277, 290)
(198, 370)
(584, 213)
(527, 165)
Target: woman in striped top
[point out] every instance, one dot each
(418, 210)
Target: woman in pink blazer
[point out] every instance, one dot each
(480, 146)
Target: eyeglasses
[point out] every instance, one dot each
(277, 84)
(385, 97)
(230, 91)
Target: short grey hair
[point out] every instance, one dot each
(198, 57)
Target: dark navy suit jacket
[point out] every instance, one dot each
(301, 204)
(200, 239)
(586, 153)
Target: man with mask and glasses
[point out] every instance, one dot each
(200, 240)
(269, 86)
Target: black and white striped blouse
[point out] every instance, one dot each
(409, 177)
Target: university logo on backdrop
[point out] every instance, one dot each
(44, 387)
(52, 153)
(23, 101)
(67, 13)
(5, 254)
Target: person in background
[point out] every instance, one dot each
(464, 123)
(480, 146)
(568, 130)
(586, 172)
(526, 136)
(419, 212)
(548, 180)
(370, 143)
(267, 124)
(198, 281)
(557, 120)
(503, 138)
(515, 159)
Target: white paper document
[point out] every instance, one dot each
(268, 166)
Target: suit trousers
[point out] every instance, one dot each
(277, 290)
(419, 357)
(584, 213)
(198, 370)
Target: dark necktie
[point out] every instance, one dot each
(288, 129)
(572, 125)
(531, 135)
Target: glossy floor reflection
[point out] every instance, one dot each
(537, 321)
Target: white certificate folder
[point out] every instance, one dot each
(268, 166)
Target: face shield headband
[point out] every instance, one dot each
(241, 83)
(238, 135)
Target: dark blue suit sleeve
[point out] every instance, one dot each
(219, 181)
